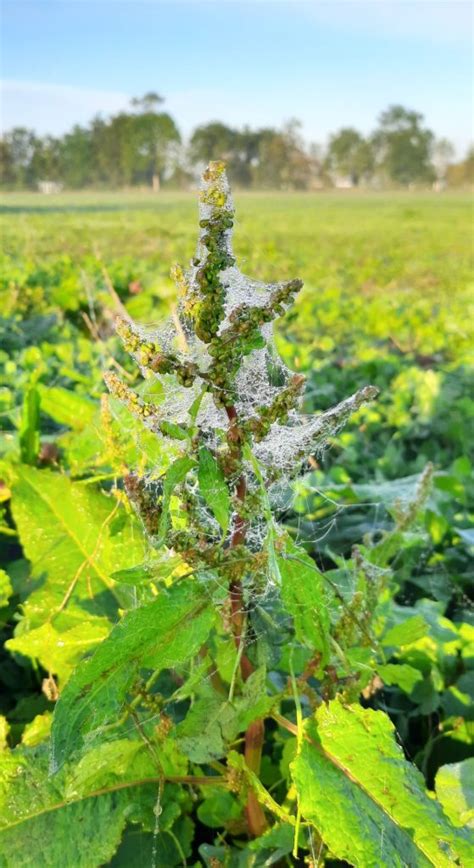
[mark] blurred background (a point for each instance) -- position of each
(294, 95)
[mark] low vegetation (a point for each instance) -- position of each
(235, 587)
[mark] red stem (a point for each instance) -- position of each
(255, 734)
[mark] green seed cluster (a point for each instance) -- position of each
(209, 311)
(241, 337)
(146, 499)
(278, 410)
(140, 408)
(149, 355)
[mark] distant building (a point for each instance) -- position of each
(49, 187)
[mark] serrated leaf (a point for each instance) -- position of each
(64, 530)
(454, 785)
(213, 488)
(367, 802)
(162, 634)
(38, 829)
(302, 591)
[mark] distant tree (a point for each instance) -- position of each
(282, 161)
(213, 141)
(20, 144)
(148, 102)
(350, 154)
(153, 138)
(402, 146)
(45, 162)
(76, 158)
(7, 169)
(462, 174)
(442, 153)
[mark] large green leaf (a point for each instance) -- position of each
(213, 487)
(302, 591)
(367, 802)
(69, 533)
(39, 829)
(162, 634)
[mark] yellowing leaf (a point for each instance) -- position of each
(366, 800)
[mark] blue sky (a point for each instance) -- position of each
(262, 62)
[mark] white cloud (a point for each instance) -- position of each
(54, 108)
(435, 21)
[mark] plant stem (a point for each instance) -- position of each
(255, 734)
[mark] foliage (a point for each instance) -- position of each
(141, 147)
(402, 146)
(350, 154)
(310, 683)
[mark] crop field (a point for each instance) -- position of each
(387, 300)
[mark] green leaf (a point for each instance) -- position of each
(405, 676)
(160, 567)
(302, 591)
(213, 487)
(455, 789)
(200, 733)
(4, 730)
(174, 475)
(37, 826)
(108, 763)
(58, 652)
(408, 631)
(64, 529)
(29, 428)
(67, 407)
(6, 589)
(37, 730)
(366, 801)
(162, 634)
(218, 809)
(173, 430)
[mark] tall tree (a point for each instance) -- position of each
(77, 168)
(153, 140)
(350, 154)
(20, 144)
(403, 146)
(282, 160)
(442, 154)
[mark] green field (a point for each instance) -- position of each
(388, 300)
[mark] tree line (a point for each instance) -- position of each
(143, 147)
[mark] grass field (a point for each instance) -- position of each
(388, 300)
